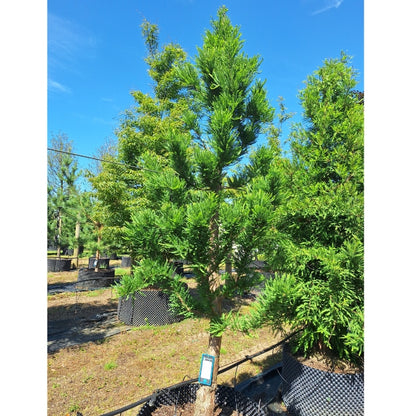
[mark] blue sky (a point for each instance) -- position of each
(96, 52)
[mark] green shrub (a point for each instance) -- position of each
(147, 274)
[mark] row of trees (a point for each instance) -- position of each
(64, 219)
(75, 216)
(189, 184)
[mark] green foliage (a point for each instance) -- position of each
(111, 365)
(153, 274)
(64, 196)
(328, 307)
(147, 134)
(147, 274)
(151, 231)
(318, 230)
(187, 148)
(180, 300)
(234, 103)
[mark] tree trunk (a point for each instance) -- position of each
(205, 396)
(229, 265)
(97, 253)
(97, 257)
(76, 248)
(58, 247)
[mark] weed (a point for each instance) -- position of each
(86, 379)
(73, 408)
(110, 365)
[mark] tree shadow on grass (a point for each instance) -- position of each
(78, 323)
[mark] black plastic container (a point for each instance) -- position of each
(146, 307)
(59, 265)
(125, 261)
(224, 396)
(90, 279)
(307, 391)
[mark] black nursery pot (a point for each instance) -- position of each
(59, 265)
(125, 261)
(90, 279)
(307, 391)
(146, 307)
(102, 263)
(224, 396)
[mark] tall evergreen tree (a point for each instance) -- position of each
(63, 173)
(194, 214)
(234, 109)
(144, 138)
(319, 225)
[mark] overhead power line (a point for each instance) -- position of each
(102, 160)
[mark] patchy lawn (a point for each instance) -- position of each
(97, 377)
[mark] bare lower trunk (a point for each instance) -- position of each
(229, 265)
(205, 397)
(97, 257)
(76, 248)
(58, 248)
(97, 253)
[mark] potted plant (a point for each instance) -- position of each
(227, 397)
(98, 273)
(146, 295)
(59, 264)
(185, 200)
(318, 250)
(193, 209)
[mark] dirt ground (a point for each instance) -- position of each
(188, 410)
(96, 364)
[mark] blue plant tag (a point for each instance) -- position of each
(206, 370)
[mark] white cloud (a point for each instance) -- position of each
(328, 5)
(68, 43)
(54, 86)
(103, 121)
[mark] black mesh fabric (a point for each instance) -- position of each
(149, 307)
(90, 279)
(308, 391)
(225, 396)
(59, 265)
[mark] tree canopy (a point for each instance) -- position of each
(189, 210)
(318, 229)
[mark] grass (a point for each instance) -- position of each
(99, 377)
(109, 366)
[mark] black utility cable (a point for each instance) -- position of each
(102, 160)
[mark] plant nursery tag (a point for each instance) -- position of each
(207, 367)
